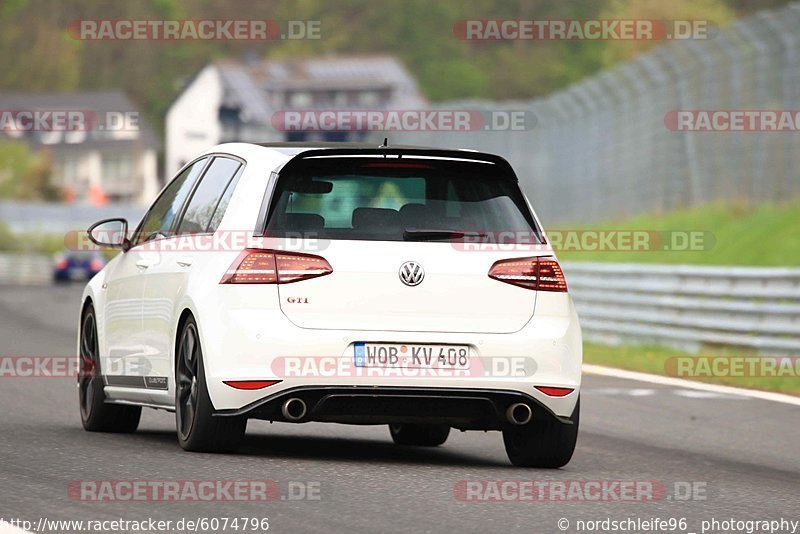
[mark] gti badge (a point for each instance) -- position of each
(411, 273)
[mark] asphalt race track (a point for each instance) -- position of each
(741, 456)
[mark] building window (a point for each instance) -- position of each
(66, 172)
(75, 137)
(50, 137)
(117, 176)
(301, 100)
(368, 98)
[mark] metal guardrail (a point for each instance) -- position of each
(688, 307)
(25, 269)
(59, 218)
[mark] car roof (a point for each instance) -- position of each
(286, 151)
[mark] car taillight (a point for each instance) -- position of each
(250, 385)
(96, 264)
(274, 267)
(293, 267)
(541, 274)
(554, 391)
(61, 264)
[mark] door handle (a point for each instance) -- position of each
(184, 262)
(143, 264)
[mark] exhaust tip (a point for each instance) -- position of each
(519, 413)
(294, 409)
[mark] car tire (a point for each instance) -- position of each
(419, 435)
(96, 414)
(545, 444)
(198, 429)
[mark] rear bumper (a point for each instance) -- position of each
(462, 408)
(245, 343)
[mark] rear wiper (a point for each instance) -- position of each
(429, 234)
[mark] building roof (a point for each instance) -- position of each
(249, 85)
(102, 103)
(332, 72)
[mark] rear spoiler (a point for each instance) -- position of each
(405, 151)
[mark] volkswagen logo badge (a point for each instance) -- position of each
(411, 273)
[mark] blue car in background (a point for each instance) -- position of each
(77, 265)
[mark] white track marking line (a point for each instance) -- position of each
(601, 370)
(696, 394)
(7, 528)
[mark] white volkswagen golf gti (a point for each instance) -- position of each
(404, 286)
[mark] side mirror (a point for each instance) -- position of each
(110, 233)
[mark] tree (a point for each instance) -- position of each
(715, 11)
(25, 175)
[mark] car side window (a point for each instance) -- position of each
(207, 196)
(158, 220)
(224, 201)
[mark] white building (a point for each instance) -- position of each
(236, 101)
(112, 157)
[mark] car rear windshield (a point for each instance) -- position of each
(390, 199)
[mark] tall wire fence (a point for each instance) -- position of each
(601, 149)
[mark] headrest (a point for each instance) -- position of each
(382, 220)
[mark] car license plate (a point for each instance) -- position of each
(77, 273)
(411, 356)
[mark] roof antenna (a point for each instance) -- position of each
(384, 145)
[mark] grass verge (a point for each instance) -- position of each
(763, 235)
(664, 361)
